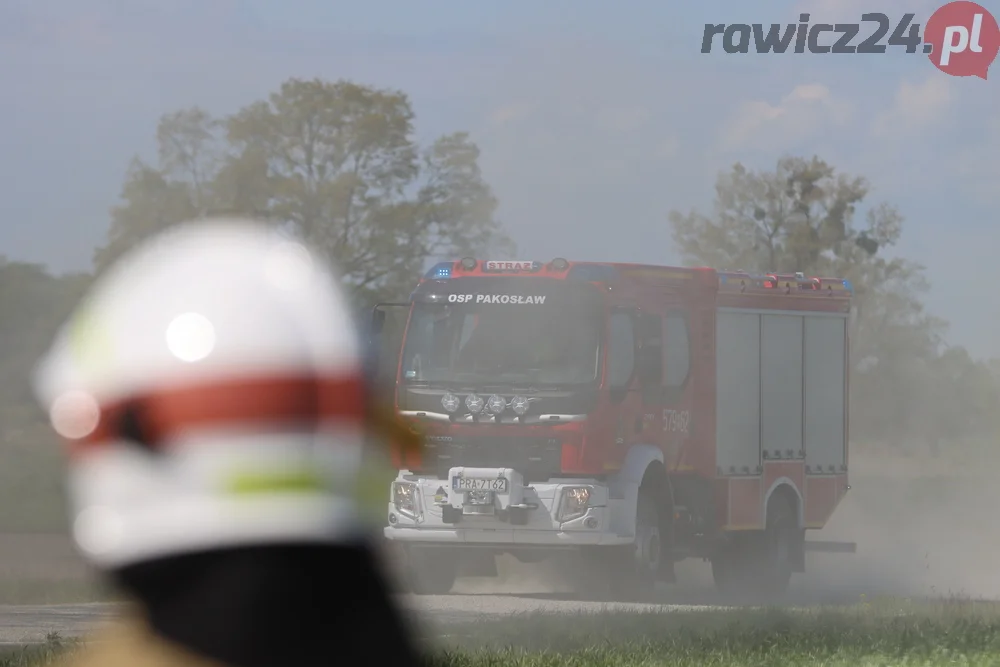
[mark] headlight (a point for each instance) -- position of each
(404, 499)
(496, 404)
(573, 502)
(474, 403)
(450, 402)
(519, 404)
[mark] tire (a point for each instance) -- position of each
(626, 574)
(758, 567)
(431, 571)
(394, 561)
(726, 572)
(779, 547)
(635, 580)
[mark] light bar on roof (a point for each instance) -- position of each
(513, 266)
(742, 280)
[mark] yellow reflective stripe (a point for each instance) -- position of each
(89, 342)
(289, 481)
(370, 487)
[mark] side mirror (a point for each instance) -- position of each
(378, 321)
(383, 350)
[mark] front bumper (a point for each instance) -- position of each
(436, 513)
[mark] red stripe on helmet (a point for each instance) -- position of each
(253, 402)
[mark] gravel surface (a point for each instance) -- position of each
(24, 624)
(519, 590)
(21, 624)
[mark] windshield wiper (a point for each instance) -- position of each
(523, 387)
(431, 384)
(520, 387)
(473, 382)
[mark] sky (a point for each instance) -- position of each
(595, 119)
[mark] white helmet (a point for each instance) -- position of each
(211, 388)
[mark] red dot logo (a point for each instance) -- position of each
(965, 39)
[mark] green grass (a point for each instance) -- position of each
(45, 654)
(883, 633)
(889, 632)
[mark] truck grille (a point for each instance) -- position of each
(536, 458)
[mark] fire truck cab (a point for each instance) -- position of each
(630, 416)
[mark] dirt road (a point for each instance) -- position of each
(475, 600)
(27, 624)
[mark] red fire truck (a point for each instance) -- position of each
(630, 415)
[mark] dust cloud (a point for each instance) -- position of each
(924, 527)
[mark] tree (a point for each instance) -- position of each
(337, 163)
(801, 216)
(34, 303)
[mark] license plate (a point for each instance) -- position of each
(498, 485)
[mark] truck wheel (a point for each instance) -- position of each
(625, 574)
(758, 567)
(726, 571)
(431, 571)
(394, 560)
(638, 575)
(779, 547)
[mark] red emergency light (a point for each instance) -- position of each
(773, 281)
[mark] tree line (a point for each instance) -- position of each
(337, 162)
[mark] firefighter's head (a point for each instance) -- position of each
(211, 390)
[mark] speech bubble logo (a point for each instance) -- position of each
(965, 39)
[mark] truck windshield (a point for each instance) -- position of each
(555, 342)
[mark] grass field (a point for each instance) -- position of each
(882, 632)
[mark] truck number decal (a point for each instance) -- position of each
(676, 421)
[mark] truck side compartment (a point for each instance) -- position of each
(780, 414)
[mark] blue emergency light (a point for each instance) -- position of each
(439, 270)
